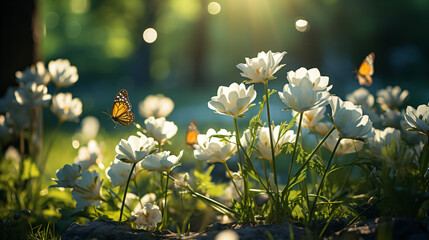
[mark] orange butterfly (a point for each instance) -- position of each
(192, 134)
(121, 109)
(366, 70)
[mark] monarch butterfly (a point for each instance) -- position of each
(366, 70)
(121, 109)
(192, 134)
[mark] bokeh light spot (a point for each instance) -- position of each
(79, 6)
(73, 29)
(214, 8)
(150, 35)
(75, 144)
(51, 20)
(302, 25)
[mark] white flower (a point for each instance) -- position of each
(32, 95)
(67, 176)
(87, 190)
(135, 148)
(319, 83)
(17, 115)
(261, 68)
(148, 217)
(147, 198)
(362, 97)
(214, 149)
(35, 74)
(88, 156)
(246, 139)
(263, 144)
(383, 139)
(63, 74)
(227, 235)
(161, 161)
(66, 107)
(418, 119)
(118, 172)
(344, 147)
(160, 129)
(389, 146)
(311, 118)
(348, 119)
(233, 100)
(89, 128)
(302, 97)
(391, 97)
(156, 106)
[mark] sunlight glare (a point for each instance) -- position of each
(150, 35)
(79, 6)
(301, 25)
(214, 8)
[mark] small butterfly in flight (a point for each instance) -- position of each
(192, 134)
(366, 70)
(121, 109)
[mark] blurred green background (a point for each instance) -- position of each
(200, 42)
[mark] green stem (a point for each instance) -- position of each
(232, 179)
(273, 157)
(243, 172)
(310, 157)
(293, 154)
(165, 215)
(323, 178)
(126, 189)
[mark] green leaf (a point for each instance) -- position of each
(30, 170)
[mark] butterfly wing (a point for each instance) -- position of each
(366, 70)
(121, 109)
(192, 134)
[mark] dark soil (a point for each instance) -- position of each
(378, 228)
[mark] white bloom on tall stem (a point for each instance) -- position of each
(279, 140)
(148, 217)
(215, 149)
(349, 121)
(303, 97)
(233, 100)
(135, 148)
(32, 95)
(311, 118)
(161, 161)
(34, 74)
(391, 97)
(261, 68)
(156, 106)
(89, 155)
(318, 82)
(118, 172)
(392, 118)
(63, 74)
(67, 176)
(346, 145)
(160, 129)
(383, 139)
(87, 190)
(418, 119)
(66, 108)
